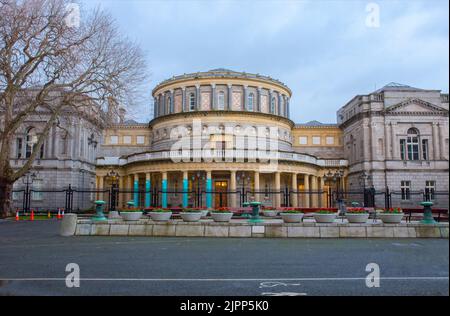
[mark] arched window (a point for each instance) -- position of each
(191, 102)
(221, 101)
(409, 147)
(272, 105)
(250, 102)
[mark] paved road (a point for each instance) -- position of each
(33, 259)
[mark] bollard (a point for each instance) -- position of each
(17, 215)
(68, 225)
(32, 215)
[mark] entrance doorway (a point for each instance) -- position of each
(220, 196)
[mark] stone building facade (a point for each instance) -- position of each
(398, 137)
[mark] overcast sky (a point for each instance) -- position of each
(325, 51)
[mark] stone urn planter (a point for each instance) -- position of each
(205, 213)
(131, 216)
(327, 217)
(292, 217)
(270, 213)
(191, 216)
(162, 216)
(221, 216)
(357, 218)
(391, 217)
(114, 215)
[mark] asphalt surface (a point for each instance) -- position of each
(33, 261)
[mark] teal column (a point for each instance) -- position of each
(185, 189)
(136, 190)
(209, 190)
(164, 190)
(148, 187)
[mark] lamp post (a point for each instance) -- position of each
(334, 179)
(113, 177)
(245, 179)
(196, 178)
(28, 180)
(363, 177)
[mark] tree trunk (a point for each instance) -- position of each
(5, 197)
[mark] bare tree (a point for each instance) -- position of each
(43, 51)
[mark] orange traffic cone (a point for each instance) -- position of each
(32, 215)
(62, 213)
(17, 215)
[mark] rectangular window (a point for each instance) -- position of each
(19, 148)
(430, 188)
(127, 139)
(413, 148)
(140, 140)
(425, 149)
(114, 140)
(316, 140)
(330, 140)
(37, 185)
(303, 140)
(403, 149)
(405, 187)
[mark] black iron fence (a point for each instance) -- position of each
(73, 199)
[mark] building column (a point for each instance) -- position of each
(148, 186)
(306, 190)
(387, 142)
(288, 107)
(257, 187)
(209, 189)
(100, 185)
(245, 103)
(233, 188)
(294, 189)
(213, 96)
(323, 193)
(183, 100)
(172, 102)
(258, 99)
(442, 136)
(435, 134)
(277, 189)
(136, 190)
(314, 189)
(270, 103)
(279, 103)
(230, 96)
(197, 95)
(122, 185)
(185, 189)
(164, 189)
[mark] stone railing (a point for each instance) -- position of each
(222, 156)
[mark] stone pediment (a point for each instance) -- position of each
(415, 106)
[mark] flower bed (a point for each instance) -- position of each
(292, 215)
(222, 214)
(357, 215)
(160, 215)
(131, 214)
(324, 216)
(391, 216)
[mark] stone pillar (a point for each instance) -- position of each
(209, 189)
(442, 136)
(394, 144)
(121, 194)
(258, 99)
(148, 186)
(387, 142)
(183, 100)
(306, 191)
(288, 114)
(245, 98)
(164, 189)
(279, 103)
(197, 95)
(435, 131)
(323, 193)
(314, 195)
(294, 188)
(164, 104)
(230, 96)
(277, 189)
(136, 190)
(213, 97)
(185, 189)
(172, 102)
(270, 103)
(257, 187)
(233, 199)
